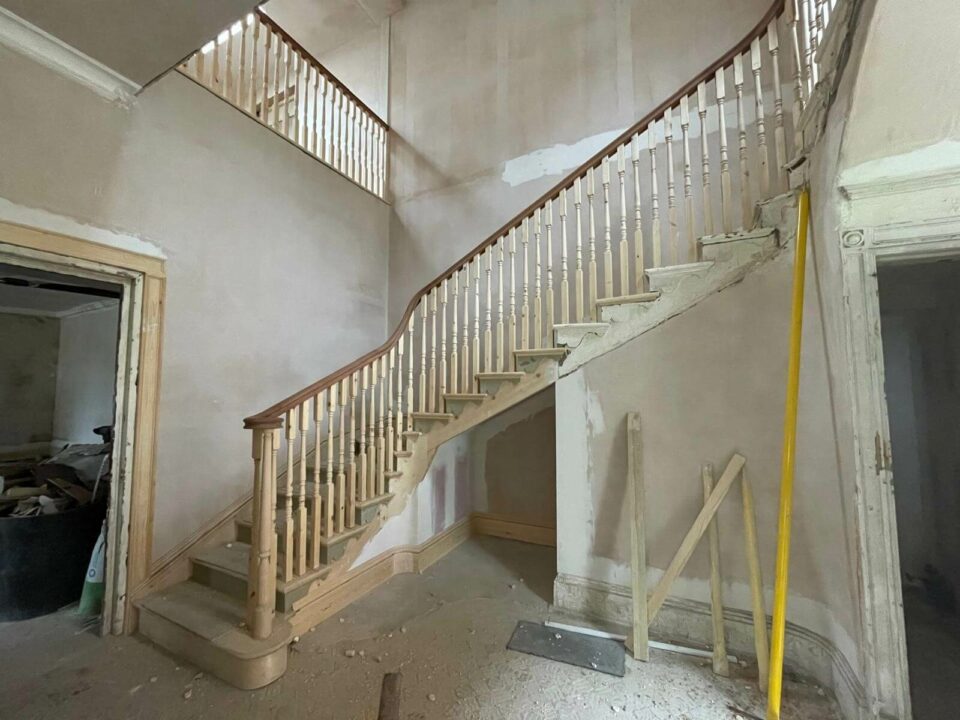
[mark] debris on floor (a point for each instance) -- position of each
(586, 651)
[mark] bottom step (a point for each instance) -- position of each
(207, 628)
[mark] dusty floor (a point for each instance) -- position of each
(933, 655)
(444, 630)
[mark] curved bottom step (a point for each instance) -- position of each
(207, 628)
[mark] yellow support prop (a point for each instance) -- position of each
(787, 464)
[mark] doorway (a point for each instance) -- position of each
(920, 329)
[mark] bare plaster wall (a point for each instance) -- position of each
(262, 243)
(28, 378)
(492, 102)
(86, 374)
(706, 384)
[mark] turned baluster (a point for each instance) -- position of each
(432, 378)
(779, 136)
(328, 497)
(443, 345)
(277, 99)
(381, 440)
(215, 79)
(672, 219)
(228, 86)
(371, 477)
(390, 447)
(745, 203)
(362, 450)
(298, 71)
(424, 311)
(262, 567)
(624, 250)
(336, 126)
(288, 55)
(302, 530)
(410, 406)
(592, 240)
(354, 384)
(382, 140)
(254, 87)
(342, 391)
(465, 383)
(261, 109)
(350, 151)
(564, 280)
(755, 66)
(315, 118)
(455, 335)
(475, 350)
(687, 179)
(537, 302)
(726, 190)
(705, 159)
(656, 238)
(578, 269)
(511, 319)
(798, 94)
(500, 323)
(638, 267)
(607, 248)
(398, 426)
(549, 314)
(290, 423)
(525, 304)
(241, 94)
(813, 74)
(315, 502)
(200, 71)
(324, 130)
(488, 317)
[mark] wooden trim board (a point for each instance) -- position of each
(513, 529)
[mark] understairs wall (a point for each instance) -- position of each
(276, 265)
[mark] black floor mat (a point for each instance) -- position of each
(586, 651)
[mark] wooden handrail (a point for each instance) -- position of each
(272, 417)
(267, 20)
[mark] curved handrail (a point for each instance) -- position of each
(272, 417)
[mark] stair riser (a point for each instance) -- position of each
(740, 250)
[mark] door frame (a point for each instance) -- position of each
(130, 513)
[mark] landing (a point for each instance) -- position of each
(445, 630)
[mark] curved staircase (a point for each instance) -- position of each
(334, 461)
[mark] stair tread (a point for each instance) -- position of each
(232, 557)
(541, 352)
(629, 299)
(500, 376)
(682, 268)
(213, 616)
(758, 232)
(465, 396)
(583, 325)
(432, 416)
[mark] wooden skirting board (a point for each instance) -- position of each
(513, 529)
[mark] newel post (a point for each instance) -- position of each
(262, 577)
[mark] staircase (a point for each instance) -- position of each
(334, 461)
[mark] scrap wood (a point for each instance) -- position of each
(72, 490)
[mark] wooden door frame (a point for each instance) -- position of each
(143, 280)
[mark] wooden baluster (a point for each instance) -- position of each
(432, 379)
(548, 312)
(443, 346)
(342, 155)
(398, 425)
(656, 238)
(779, 134)
(200, 73)
(262, 568)
(389, 449)
(607, 250)
(475, 349)
(745, 203)
(290, 423)
(362, 471)
(798, 95)
(812, 43)
(261, 110)
(410, 406)
(316, 506)
(525, 304)
(300, 105)
(381, 448)
(465, 384)
(371, 155)
(638, 264)
(592, 239)
(328, 497)
(578, 271)
(425, 310)
(215, 79)
(455, 336)
(288, 55)
(354, 384)
(277, 63)
(726, 191)
(341, 489)
(382, 140)
(371, 478)
(537, 324)
(705, 159)
(512, 319)
(334, 126)
(254, 68)
(315, 145)
(564, 280)
(350, 150)
(624, 249)
(323, 131)
(488, 317)
(674, 223)
(242, 72)
(500, 324)
(807, 43)
(687, 179)
(362, 149)
(302, 529)
(230, 81)
(755, 66)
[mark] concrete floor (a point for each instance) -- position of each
(444, 630)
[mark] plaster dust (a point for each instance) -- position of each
(445, 630)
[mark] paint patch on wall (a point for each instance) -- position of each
(595, 421)
(553, 160)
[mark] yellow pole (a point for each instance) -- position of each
(787, 465)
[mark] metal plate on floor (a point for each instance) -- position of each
(592, 653)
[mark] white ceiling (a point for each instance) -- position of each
(140, 39)
(44, 301)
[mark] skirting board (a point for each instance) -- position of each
(505, 527)
(689, 621)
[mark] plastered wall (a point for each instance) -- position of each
(276, 266)
(29, 346)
